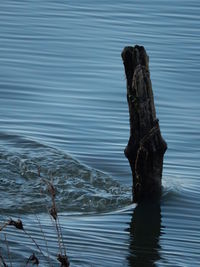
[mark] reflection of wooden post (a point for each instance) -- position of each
(145, 230)
(146, 147)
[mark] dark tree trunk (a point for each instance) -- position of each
(146, 147)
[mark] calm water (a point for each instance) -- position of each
(63, 109)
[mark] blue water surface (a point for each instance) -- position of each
(64, 117)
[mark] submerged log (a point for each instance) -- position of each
(146, 147)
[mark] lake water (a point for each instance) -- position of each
(63, 110)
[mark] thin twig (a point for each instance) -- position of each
(46, 244)
(57, 232)
(3, 261)
(33, 240)
(3, 226)
(9, 255)
(61, 236)
(53, 211)
(62, 257)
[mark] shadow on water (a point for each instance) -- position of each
(145, 230)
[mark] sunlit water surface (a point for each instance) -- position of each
(64, 118)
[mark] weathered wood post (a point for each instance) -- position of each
(146, 147)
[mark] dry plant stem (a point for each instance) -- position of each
(54, 215)
(57, 232)
(61, 237)
(146, 147)
(3, 261)
(33, 240)
(19, 225)
(46, 244)
(55, 220)
(62, 257)
(8, 250)
(3, 226)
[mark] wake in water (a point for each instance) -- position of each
(24, 164)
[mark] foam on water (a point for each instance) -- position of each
(79, 187)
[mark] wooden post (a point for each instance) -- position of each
(146, 147)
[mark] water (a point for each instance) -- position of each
(64, 117)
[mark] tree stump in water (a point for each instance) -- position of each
(146, 147)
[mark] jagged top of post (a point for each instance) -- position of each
(132, 57)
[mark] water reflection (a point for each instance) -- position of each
(145, 230)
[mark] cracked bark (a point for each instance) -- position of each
(146, 147)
